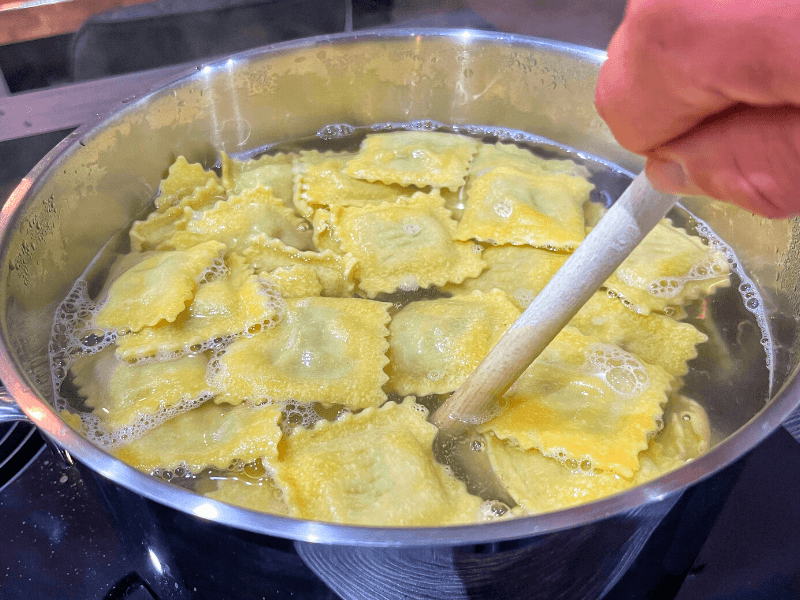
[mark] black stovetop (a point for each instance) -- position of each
(59, 541)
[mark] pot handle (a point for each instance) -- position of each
(10, 412)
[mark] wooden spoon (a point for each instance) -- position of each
(627, 222)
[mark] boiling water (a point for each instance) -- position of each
(733, 365)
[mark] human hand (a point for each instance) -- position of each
(709, 92)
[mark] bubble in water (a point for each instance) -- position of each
(621, 370)
(494, 509)
(336, 132)
(435, 375)
(621, 380)
(504, 208)
(409, 283)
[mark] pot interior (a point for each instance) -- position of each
(104, 175)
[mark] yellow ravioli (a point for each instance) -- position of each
(434, 345)
(335, 272)
(253, 212)
(220, 308)
(509, 155)
(419, 158)
(129, 397)
(158, 288)
(540, 484)
(520, 271)
(208, 436)
(298, 281)
(538, 208)
(686, 435)
(373, 468)
(274, 172)
(669, 268)
(656, 339)
(587, 401)
(260, 494)
(320, 181)
(329, 350)
(160, 226)
(182, 179)
(405, 245)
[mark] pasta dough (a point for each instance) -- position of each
(405, 245)
(520, 271)
(258, 495)
(131, 397)
(538, 208)
(157, 288)
(541, 484)
(330, 350)
(182, 179)
(373, 468)
(335, 272)
(435, 345)
(586, 401)
(208, 436)
(232, 221)
(220, 308)
(269, 171)
(320, 181)
(241, 289)
(419, 158)
(668, 268)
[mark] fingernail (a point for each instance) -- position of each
(668, 176)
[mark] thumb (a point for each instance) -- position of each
(747, 155)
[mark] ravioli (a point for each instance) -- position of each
(270, 171)
(329, 350)
(434, 345)
(208, 436)
(224, 307)
(158, 288)
(509, 155)
(335, 272)
(128, 397)
(520, 271)
(540, 484)
(669, 268)
(506, 205)
(232, 221)
(405, 245)
(418, 158)
(656, 339)
(373, 468)
(686, 436)
(585, 400)
(160, 226)
(182, 179)
(260, 494)
(240, 290)
(320, 181)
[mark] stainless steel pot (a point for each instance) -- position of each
(105, 173)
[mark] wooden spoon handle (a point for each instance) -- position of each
(629, 220)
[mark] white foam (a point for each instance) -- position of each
(623, 372)
(670, 287)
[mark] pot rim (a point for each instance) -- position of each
(43, 415)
